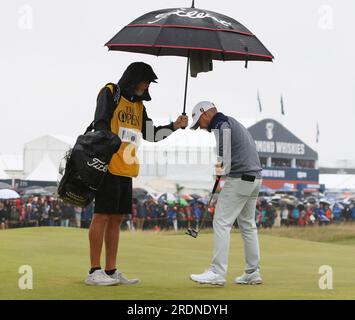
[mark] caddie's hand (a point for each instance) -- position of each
(181, 122)
(219, 169)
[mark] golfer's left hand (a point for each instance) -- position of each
(181, 122)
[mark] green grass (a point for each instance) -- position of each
(163, 261)
(335, 233)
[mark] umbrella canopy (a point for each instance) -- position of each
(35, 190)
(312, 200)
(139, 193)
(6, 194)
(266, 190)
(170, 197)
(193, 33)
(325, 201)
(178, 31)
(290, 201)
(187, 197)
(51, 189)
(183, 202)
(167, 197)
(204, 201)
(195, 196)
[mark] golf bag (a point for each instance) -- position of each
(86, 166)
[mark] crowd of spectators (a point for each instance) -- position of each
(149, 214)
(158, 215)
(268, 215)
(42, 211)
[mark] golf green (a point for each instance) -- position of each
(163, 261)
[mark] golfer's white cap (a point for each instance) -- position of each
(198, 109)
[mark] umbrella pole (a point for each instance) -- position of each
(186, 83)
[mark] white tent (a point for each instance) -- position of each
(338, 181)
(45, 171)
(186, 156)
(35, 150)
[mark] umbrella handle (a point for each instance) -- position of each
(183, 114)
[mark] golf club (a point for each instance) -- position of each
(192, 232)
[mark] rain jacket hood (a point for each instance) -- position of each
(134, 74)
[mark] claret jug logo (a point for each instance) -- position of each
(269, 130)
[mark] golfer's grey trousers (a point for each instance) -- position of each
(237, 201)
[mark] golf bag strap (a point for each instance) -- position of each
(116, 98)
(89, 128)
(116, 92)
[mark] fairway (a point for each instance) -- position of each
(163, 262)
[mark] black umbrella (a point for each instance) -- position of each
(51, 190)
(189, 31)
(139, 194)
(35, 191)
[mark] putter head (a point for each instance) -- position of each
(192, 232)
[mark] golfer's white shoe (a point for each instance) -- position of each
(249, 278)
(100, 278)
(208, 277)
(120, 278)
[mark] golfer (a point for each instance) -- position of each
(239, 161)
(120, 109)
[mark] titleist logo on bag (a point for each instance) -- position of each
(98, 165)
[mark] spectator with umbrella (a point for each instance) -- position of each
(55, 215)
(141, 214)
(14, 215)
(352, 209)
(86, 216)
(3, 216)
(152, 214)
(270, 215)
(197, 214)
(346, 213)
(284, 216)
(171, 215)
(78, 211)
(68, 214)
(337, 212)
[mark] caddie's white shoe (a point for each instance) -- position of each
(208, 277)
(249, 278)
(100, 278)
(122, 279)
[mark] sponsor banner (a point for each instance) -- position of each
(291, 174)
(272, 139)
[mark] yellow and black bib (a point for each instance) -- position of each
(126, 122)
